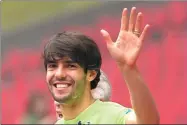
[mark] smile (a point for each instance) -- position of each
(62, 85)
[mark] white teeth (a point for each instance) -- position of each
(62, 85)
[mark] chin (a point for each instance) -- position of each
(61, 99)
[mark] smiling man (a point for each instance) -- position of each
(73, 61)
(101, 92)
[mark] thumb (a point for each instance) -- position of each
(106, 36)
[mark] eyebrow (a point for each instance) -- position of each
(69, 61)
(51, 61)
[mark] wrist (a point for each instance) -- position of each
(125, 67)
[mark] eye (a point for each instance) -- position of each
(51, 65)
(72, 66)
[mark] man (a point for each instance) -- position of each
(73, 61)
(102, 92)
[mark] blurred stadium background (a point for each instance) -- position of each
(26, 25)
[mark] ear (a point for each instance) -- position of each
(91, 74)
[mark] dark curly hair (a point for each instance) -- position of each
(79, 47)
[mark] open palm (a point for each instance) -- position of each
(128, 44)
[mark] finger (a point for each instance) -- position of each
(59, 116)
(57, 106)
(124, 20)
(58, 110)
(132, 19)
(142, 37)
(138, 25)
(56, 103)
(106, 36)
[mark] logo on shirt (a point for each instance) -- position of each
(79, 123)
(127, 111)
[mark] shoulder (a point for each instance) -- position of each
(114, 108)
(112, 105)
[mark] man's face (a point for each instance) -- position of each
(66, 80)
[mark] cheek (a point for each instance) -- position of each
(49, 76)
(76, 75)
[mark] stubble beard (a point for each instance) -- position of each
(61, 99)
(71, 97)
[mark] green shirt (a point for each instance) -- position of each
(100, 113)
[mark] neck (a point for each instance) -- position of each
(71, 111)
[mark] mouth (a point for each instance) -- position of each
(62, 89)
(62, 85)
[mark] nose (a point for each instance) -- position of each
(60, 73)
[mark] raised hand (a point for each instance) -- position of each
(129, 42)
(58, 110)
